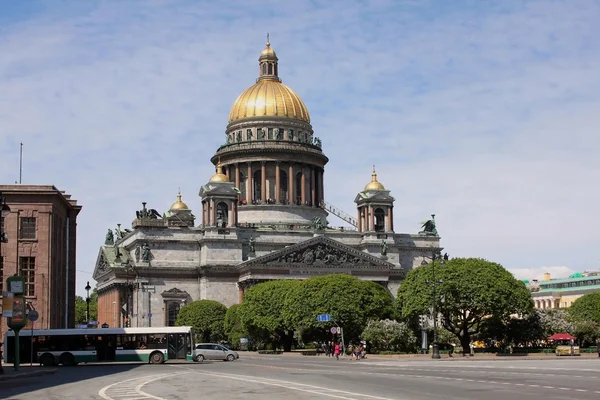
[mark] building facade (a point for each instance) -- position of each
(41, 244)
(562, 293)
(263, 217)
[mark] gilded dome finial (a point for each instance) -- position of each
(374, 184)
(219, 176)
(179, 204)
(268, 43)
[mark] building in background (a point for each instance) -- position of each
(41, 230)
(263, 217)
(562, 293)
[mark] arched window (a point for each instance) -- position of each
(379, 220)
(264, 69)
(283, 186)
(270, 69)
(222, 214)
(172, 312)
(298, 188)
(257, 185)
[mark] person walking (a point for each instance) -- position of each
(336, 351)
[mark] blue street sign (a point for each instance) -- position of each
(93, 322)
(149, 315)
(134, 315)
(323, 317)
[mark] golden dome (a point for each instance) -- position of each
(268, 53)
(268, 97)
(374, 184)
(179, 205)
(219, 176)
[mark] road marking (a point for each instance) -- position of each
(350, 371)
(300, 387)
(131, 389)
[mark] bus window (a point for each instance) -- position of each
(157, 341)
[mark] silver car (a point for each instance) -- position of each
(213, 351)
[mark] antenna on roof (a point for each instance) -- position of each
(21, 164)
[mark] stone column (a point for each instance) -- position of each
(249, 188)
(230, 214)
(291, 184)
(392, 218)
(207, 212)
(321, 185)
(263, 183)
(277, 188)
(303, 186)
(211, 217)
(226, 171)
(313, 195)
(203, 213)
(388, 222)
(237, 175)
(372, 218)
(240, 295)
(359, 220)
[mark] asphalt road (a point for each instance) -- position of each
(296, 377)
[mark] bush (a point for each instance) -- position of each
(207, 317)
(389, 335)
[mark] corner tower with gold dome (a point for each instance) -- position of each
(271, 152)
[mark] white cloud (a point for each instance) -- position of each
(486, 117)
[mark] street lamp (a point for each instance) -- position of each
(435, 256)
(87, 301)
(128, 288)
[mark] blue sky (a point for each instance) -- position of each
(484, 113)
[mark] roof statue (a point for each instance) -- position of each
(429, 228)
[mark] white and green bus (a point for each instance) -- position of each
(73, 346)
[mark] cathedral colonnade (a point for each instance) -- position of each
(276, 182)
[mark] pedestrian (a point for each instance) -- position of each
(597, 349)
(336, 351)
(1, 367)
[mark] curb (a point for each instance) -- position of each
(21, 375)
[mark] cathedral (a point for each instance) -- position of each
(263, 217)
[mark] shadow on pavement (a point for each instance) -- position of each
(38, 378)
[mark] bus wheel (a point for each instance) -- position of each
(47, 360)
(157, 358)
(67, 359)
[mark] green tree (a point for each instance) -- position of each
(81, 308)
(389, 335)
(206, 316)
(555, 320)
(587, 332)
(351, 302)
(233, 326)
(261, 311)
(469, 290)
(586, 308)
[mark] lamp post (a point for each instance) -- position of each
(435, 256)
(87, 303)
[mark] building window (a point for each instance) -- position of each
(27, 228)
(27, 268)
(379, 220)
(172, 312)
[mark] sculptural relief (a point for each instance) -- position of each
(320, 254)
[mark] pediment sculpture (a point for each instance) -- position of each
(319, 254)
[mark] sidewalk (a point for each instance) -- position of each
(24, 372)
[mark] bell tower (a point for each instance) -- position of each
(375, 208)
(219, 201)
